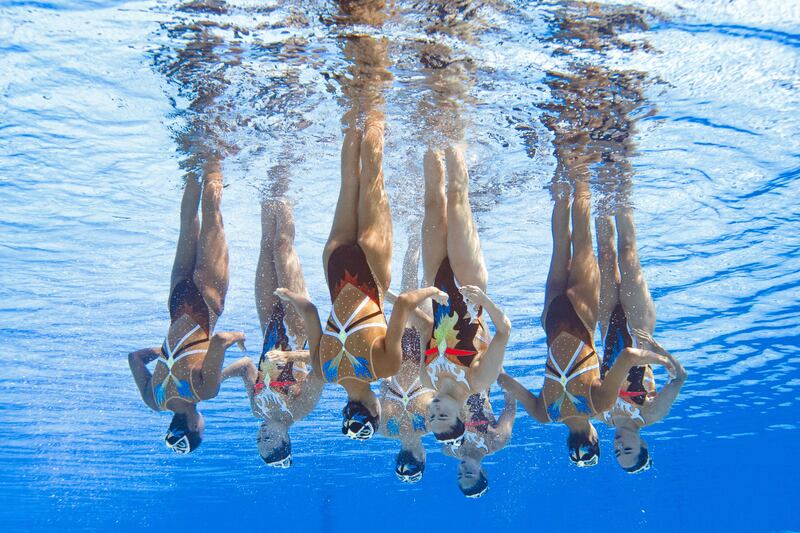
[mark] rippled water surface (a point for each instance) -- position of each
(693, 104)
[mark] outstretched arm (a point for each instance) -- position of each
(604, 393)
(487, 367)
(404, 306)
(532, 404)
(211, 371)
(308, 312)
(141, 374)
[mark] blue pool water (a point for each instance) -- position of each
(94, 95)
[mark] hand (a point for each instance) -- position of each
(645, 337)
(680, 372)
(277, 356)
(440, 297)
(646, 357)
(473, 295)
(284, 294)
(502, 380)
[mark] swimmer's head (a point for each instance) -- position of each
(408, 467)
(185, 433)
(445, 421)
(631, 450)
(358, 422)
(472, 479)
(584, 447)
(274, 445)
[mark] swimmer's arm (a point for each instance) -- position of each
(141, 374)
(488, 366)
(419, 319)
(308, 311)
(604, 393)
(243, 368)
(289, 356)
(662, 405)
(505, 424)
(532, 404)
(404, 306)
(211, 370)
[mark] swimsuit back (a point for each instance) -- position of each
(186, 299)
(272, 387)
(457, 338)
(356, 321)
(172, 377)
(405, 408)
(640, 384)
(572, 363)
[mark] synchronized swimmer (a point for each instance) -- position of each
(433, 362)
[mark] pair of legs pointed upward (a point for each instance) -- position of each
(621, 277)
(448, 229)
(202, 251)
(573, 265)
(279, 266)
(362, 213)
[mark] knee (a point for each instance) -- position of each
(372, 145)
(284, 244)
(627, 252)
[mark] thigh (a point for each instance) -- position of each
(463, 242)
(374, 217)
(211, 273)
(609, 272)
(434, 224)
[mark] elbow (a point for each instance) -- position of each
(504, 327)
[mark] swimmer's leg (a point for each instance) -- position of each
(344, 230)
(211, 275)
(634, 293)
(287, 266)
(186, 251)
(463, 242)
(434, 225)
(266, 275)
(609, 272)
(374, 217)
(561, 255)
(583, 284)
(410, 279)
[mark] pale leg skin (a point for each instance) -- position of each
(583, 283)
(344, 230)
(266, 277)
(634, 293)
(186, 251)
(434, 224)
(561, 255)
(211, 274)
(288, 269)
(609, 271)
(463, 243)
(278, 266)
(374, 216)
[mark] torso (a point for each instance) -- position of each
(640, 387)
(356, 321)
(404, 399)
(572, 363)
(177, 367)
(480, 434)
(279, 386)
(457, 338)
